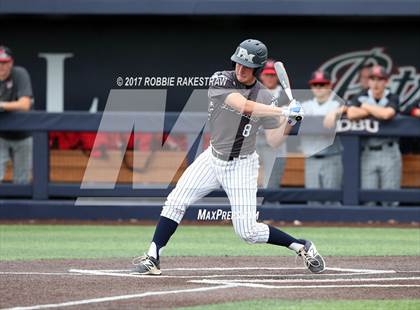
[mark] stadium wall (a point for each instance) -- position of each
(89, 53)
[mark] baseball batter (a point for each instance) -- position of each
(238, 106)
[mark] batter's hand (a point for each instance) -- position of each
(294, 112)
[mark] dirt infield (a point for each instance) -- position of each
(187, 281)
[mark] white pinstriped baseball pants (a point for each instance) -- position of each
(239, 180)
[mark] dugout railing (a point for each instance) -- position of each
(41, 123)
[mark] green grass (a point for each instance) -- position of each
(268, 304)
(28, 242)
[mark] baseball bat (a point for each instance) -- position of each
(284, 82)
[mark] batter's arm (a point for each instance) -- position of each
(243, 105)
(275, 137)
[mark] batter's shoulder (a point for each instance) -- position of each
(228, 74)
(222, 79)
(260, 85)
(264, 95)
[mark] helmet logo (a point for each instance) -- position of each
(243, 53)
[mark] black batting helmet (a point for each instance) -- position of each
(250, 53)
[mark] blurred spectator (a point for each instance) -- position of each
(380, 157)
(15, 95)
(272, 160)
(324, 169)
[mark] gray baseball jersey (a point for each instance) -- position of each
(234, 133)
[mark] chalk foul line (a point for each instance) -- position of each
(123, 297)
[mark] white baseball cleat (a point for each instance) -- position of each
(312, 259)
(146, 265)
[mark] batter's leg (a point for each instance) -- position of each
(240, 184)
(197, 181)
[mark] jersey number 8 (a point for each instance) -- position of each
(247, 130)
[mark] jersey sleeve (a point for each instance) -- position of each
(265, 97)
(221, 84)
(23, 83)
(270, 122)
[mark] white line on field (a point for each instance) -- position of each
(279, 268)
(257, 285)
(231, 268)
(122, 297)
(117, 273)
(123, 272)
(39, 273)
(128, 275)
(224, 281)
(210, 269)
(343, 286)
(359, 270)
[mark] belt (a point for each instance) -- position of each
(227, 157)
(378, 147)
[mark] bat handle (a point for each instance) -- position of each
(289, 94)
(286, 112)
